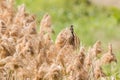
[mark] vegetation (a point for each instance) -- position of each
(26, 53)
(91, 23)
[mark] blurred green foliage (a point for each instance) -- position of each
(91, 23)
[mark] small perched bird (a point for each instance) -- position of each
(67, 36)
(75, 40)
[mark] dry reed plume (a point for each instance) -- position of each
(26, 54)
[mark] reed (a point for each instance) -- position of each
(26, 54)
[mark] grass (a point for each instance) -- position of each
(91, 23)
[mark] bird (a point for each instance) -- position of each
(67, 37)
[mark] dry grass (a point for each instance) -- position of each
(26, 54)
